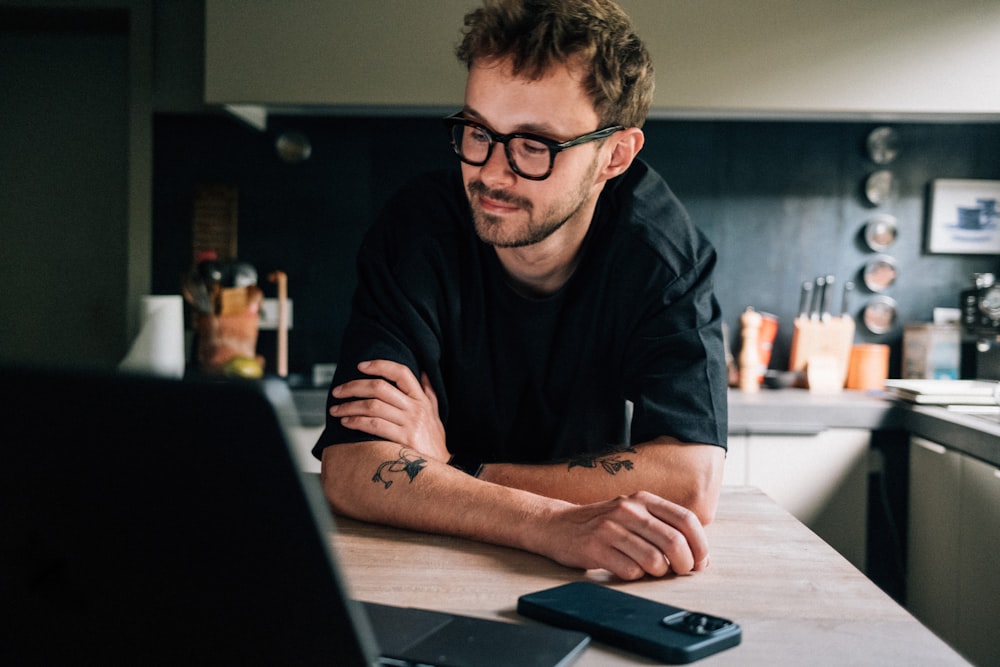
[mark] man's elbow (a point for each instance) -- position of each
(335, 462)
(705, 484)
(704, 503)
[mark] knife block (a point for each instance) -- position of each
(830, 339)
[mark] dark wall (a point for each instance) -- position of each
(782, 201)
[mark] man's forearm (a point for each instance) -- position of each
(687, 474)
(631, 536)
(387, 483)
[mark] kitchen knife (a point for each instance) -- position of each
(845, 306)
(805, 300)
(818, 294)
(827, 297)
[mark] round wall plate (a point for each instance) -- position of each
(879, 186)
(880, 314)
(880, 231)
(883, 145)
(879, 273)
(293, 147)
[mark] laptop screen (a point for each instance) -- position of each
(152, 521)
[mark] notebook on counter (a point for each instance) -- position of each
(153, 521)
(943, 392)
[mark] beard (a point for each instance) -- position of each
(501, 232)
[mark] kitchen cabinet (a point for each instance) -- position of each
(341, 53)
(953, 540)
(713, 58)
(979, 571)
(819, 477)
(932, 536)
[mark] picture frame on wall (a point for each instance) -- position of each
(963, 217)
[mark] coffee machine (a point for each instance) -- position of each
(980, 305)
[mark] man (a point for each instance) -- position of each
(505, 315)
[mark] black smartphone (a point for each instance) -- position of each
(653, 629)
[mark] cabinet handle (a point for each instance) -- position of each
(781, 429)
(929, 446)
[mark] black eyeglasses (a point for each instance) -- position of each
(529, 155)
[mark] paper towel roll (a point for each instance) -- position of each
(159, 347)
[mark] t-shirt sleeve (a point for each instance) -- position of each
(675, 365)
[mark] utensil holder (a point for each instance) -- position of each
(829, 339)
(229, 332)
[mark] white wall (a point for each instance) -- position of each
(779, 58)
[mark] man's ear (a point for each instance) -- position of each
(627, 144)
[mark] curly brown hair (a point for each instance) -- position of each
(535, 34)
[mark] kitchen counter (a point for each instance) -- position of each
(797, 600)
(311, 404)
(975, 435)
(801, 412)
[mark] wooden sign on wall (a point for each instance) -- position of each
(215, 221)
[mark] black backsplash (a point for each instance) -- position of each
(781, 201)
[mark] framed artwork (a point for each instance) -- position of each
(963, 217)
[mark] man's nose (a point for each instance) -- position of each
(497, 169)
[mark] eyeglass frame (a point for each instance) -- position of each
(555, 147)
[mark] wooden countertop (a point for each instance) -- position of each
(798, 601)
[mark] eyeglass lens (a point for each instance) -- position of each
(474, 144)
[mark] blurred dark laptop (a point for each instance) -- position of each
(148, 521)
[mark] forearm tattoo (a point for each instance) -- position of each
(406, 463)
(613, 462)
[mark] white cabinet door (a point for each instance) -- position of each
(978, 563)
(735, 472)
(303, 438)
(822, 479)
(933, 536)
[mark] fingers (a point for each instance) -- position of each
(693, 554)
(394, 372)
(639, 558)
(641, 535)
(425, 383)
(361, 417)
(389, 382)
(392, 404)
(660, 537)
(627, 568)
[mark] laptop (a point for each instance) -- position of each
(154, 521)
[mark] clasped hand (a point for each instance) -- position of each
(630, 536)
(391, 404)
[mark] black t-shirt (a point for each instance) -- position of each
(532, 380)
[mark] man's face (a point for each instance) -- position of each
(510, 211)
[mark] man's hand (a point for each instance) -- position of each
(631, 536)
(393, 405)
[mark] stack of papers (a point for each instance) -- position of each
(944, 392)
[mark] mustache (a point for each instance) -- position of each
(477, 187)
